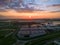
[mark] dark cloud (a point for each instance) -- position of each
(54, 5)
(54, 11)
(3, 10)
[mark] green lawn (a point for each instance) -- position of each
(6, 40)
(51, 43)
(3, 33)
(5, 29)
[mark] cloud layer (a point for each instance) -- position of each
(42, 9)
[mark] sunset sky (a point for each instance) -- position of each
(47, 9)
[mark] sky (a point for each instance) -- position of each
(45, 9)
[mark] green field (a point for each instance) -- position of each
(42, 40)
(6, 39)
(8, 35)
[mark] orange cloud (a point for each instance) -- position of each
(30, 15)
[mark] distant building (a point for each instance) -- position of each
(30, 30)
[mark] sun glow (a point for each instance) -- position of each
(12, 14)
